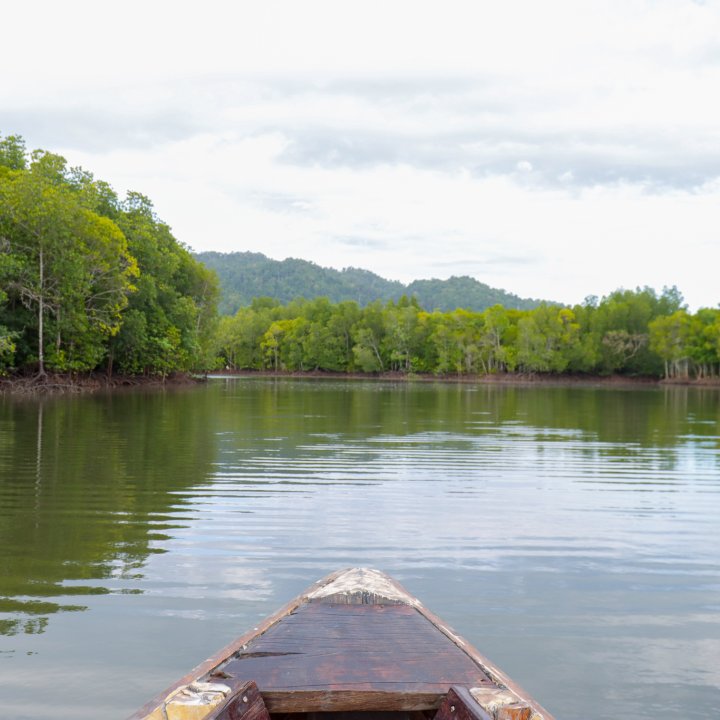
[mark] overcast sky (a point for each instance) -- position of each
(554, 149)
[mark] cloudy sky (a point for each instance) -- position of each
(554, 149)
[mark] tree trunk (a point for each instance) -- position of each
(41, 317)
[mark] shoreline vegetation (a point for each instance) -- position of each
(630, 333)
(85, 383)
(451, 378)
(90, 282)
(81, 383)
(95, 291)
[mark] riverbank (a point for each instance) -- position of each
(56, 383)
(493, 379)
(61, 383)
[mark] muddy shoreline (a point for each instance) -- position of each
(54, 383)
(60, 383)
(494, 379)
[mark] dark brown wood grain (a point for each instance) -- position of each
(211, 664)
(320, 651)
(333, 700)
(360, 645)
(459, 704)
(358, 715)
(495, 674)
(244, 704)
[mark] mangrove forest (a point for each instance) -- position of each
(91, 282)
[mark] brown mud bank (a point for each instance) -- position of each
(495, 379)
(57, 383)
(60, 383)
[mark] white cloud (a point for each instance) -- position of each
(555, 149)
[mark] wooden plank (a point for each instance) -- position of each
(325, 650)
(459, 704)
(244, 704)
(384, 585)
(393, 589)
(347, 700)
(206, 667)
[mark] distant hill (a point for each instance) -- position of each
(245, 275)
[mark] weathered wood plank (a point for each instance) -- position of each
(244, 704)
(347, 700)
(360, 648)
(358, 715)
(459, 704)
(211, 663)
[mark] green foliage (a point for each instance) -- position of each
(173, 309)
(703, 342)
(369, 334)
(543, 335)
(625, 331)
(88, 280)
(464, 292)
(7, 338)
(620, 325)
(7, 349)
(12, 152)
(245, 275)
(67, 266)
(669, 338)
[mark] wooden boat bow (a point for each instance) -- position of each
(356, 641)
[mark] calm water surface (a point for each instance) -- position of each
(572, 534)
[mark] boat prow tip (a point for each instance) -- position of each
(361, 585)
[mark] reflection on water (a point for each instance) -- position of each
(571, 533)
(85, 490)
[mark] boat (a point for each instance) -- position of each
(354, 645)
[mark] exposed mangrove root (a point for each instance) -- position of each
(59, 384)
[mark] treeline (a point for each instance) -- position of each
(90, 281)
(636, 333)
(245, 275)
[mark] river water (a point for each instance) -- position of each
(571, 533)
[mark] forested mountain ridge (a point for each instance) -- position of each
(246, 275)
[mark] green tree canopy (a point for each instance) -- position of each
(88, 280)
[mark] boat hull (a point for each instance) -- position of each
(354, 641)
